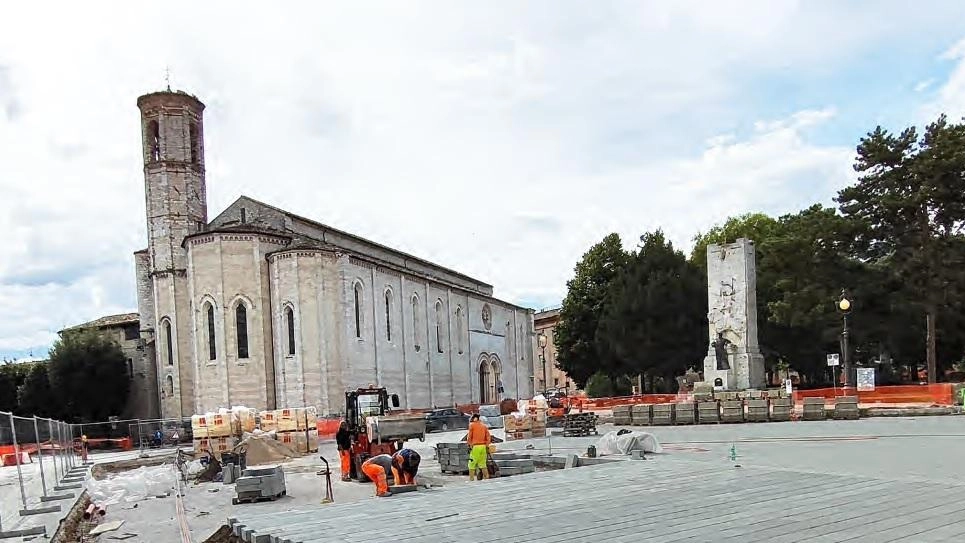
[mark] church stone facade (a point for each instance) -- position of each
(263, 308)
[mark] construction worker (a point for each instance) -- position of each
(479, 439)
(377, 468)
(83, 447)
(405, 466)
(343, 439)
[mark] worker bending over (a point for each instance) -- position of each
(343, 439)
(377, 468)
(405, 465)
(479, 440)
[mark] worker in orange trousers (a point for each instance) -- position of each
(405, 466)
(377, 469)
(343, 439)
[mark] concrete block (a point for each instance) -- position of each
(663, 414)
(708, 413)
(685, 413)
(814, 409)
(757, 410)
(641, 414)
(572, 461)
(732, 411)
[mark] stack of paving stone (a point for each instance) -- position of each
(685, 413)
(708, 412)
(846, 407)
(814, 409)
(641, 414)
(732, 410)
(781, 408)
(757, 410)
(622, 415)
(662, 414)
(513, 464)
(579, 424)
(453, 457)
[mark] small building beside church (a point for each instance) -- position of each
(264, 308)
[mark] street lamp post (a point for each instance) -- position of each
(844, 306)
(542, 356)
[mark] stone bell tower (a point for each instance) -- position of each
(172, 134)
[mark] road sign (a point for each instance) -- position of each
(834, 360)
(866, 378)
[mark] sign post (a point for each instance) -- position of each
(834, 360)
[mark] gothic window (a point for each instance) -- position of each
(439, 316)
(415, 321)
(153, 141)
(358, 310)
(168, 342)
(195, 148)
(209, 317)
(170, 386)
(388, 314)
(460, 329)
(241, 324)
(290, 321)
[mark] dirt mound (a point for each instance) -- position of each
(263, 449)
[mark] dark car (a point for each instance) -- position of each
(443, 420)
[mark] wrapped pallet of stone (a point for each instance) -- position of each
(814, 409)
(201, 444)
(307, 418)
(622, 415)
(288, 419)
(641, 414)
(846, 408)
(199, 426)
(781, 408)
(685, 413)
(662, 414)
(757, 410)
(708, 412)
(268, 421)
(732, 411)
(219, 424)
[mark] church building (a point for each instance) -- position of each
(263, 308)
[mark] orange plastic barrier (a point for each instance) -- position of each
(327, 427)
(940, 394)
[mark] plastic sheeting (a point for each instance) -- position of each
(612, 444)
(134, 485)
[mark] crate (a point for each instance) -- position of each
(708, 413)
(732, 411)
(268, 421)
(219, 425)
(579, 424)
(641, 415)
(662, 414)
(781, 409)
(685, 413)
(757, 410)
(622, 415)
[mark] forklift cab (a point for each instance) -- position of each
(367, 402)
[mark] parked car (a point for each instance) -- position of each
(490, 416)
(443, 420)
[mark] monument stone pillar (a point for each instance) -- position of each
(732, 317)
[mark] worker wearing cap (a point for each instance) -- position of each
(479, 440)
(405, 466)
(343, 439)
(377, 469)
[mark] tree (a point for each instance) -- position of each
(586, 297)
(35, 395)
(89, 372)
(754, 226)
(12, 375)
(603, 386)
(655, 322)
(910, 204)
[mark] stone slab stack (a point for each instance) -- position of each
(662, 414)
(453, 458)
(517, 465)
(622, 415)
(708, 412)
(579, 424)
(518, 426)
(732, 411)
(846, 408)
(781, 409)
(685, 413)
(757, 410)
(641, 414)
(814, 409)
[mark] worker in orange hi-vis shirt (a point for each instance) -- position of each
(478, 440)
(343, 440)
(377, 468)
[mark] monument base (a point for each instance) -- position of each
(746, 371)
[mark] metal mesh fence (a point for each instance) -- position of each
(157, 433)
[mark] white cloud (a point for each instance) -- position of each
(950, 97)
(498, 139)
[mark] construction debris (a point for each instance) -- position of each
(107, 527)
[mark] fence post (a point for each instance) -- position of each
(53, 448)
(70, 445)
(16, 453)
(40, 456)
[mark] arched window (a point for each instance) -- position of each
(388, 314)
(358, 310)
(416, 321)
(485, 384)
(241, 326)
(209, 315)
(290, 323)
(170, 386)
(439, 317)
(168, 342)
(193, 139)
(460, 329)
(153, 141)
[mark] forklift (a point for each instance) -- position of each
(373, 430)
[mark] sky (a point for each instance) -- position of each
(498, 138)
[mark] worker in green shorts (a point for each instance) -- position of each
(479, 439)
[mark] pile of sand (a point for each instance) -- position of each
(261, 448)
